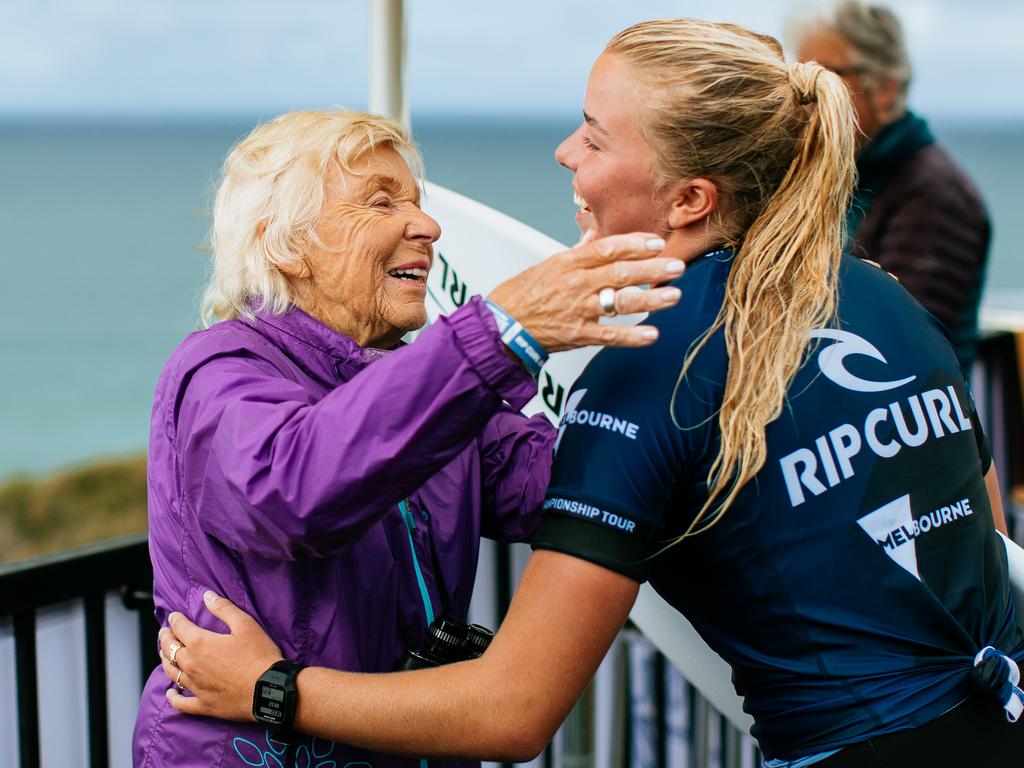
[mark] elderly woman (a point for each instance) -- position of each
(807, 483)
(303, 462)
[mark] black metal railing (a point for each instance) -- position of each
(997, 385)
(86, 576)
(83, 575)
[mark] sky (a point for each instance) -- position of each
(528, 57)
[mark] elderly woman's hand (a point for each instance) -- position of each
(557, 301)
(220, 671)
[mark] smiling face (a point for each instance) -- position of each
(367, 277)
(611, 160)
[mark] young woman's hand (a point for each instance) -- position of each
(219, 671)
(557, 301)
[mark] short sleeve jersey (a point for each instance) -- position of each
(855, 577)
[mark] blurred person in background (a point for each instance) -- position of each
(305, 462)
(914, 210)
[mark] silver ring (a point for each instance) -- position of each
(177, 683)
(173, 648)
(606, 298)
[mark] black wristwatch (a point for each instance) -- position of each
(275, 698)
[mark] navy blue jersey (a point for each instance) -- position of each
(855, 577)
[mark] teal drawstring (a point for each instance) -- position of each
(410, 526)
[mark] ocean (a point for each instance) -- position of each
(104, 223)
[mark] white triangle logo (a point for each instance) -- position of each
(892, 528)
(570, 407)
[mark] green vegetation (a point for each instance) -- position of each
(78, 506)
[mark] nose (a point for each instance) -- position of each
(422, 228)
(567, 153)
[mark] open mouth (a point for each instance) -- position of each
(415, 274)
(580, 202)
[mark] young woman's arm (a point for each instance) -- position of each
(505, 705)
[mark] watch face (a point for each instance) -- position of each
(269, 703)
(274, 694)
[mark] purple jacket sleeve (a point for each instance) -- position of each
(516, 462)
(273, 473)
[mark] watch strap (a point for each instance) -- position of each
(282, 674)
(289, 668)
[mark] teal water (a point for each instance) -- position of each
(102, 226)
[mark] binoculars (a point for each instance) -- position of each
(448, 640)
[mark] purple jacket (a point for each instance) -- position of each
(279, 450)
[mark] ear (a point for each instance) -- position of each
(691, 201)
(297, 270)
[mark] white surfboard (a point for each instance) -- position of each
(1015, 563)
(479, 249)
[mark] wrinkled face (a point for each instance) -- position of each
(610, 159)
(368, 280)
(833, 51)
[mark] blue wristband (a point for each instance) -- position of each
(516, 338)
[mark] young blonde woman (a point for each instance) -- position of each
(800, 471)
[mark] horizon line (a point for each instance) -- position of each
(257, 114)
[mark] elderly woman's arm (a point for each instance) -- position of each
(505, 705)
(270, 472)
(515, 461)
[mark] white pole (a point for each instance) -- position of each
(387, 60)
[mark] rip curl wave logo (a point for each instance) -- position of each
(318, 753)
(832, 361)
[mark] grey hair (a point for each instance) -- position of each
(877, 38)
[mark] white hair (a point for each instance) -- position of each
(269, 200)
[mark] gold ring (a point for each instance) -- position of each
(173, 648)
(177, 683)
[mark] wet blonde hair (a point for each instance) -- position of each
(777, 140)
(269, 199)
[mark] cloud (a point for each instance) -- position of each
(158, 56)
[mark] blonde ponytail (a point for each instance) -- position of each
(778, 142)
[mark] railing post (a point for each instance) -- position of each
(660, 715)
(578, 733)
(732, 745)
(502, 584)
(699, 716)
(96, 678)
(140, 600)
(28, 688)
